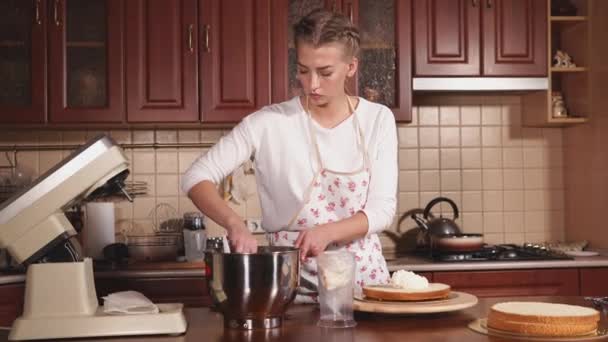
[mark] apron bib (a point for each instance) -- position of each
(333, 196)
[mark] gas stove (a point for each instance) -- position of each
(505, 252)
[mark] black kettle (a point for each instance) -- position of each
(438, 226)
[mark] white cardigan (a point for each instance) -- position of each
(278, 138)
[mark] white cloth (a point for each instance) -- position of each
(277, 136)
(128, 302)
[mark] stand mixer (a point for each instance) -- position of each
(60, 297)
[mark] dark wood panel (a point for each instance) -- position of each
(59, 109)
(403, 36)
(446, 38)
(515, 38)
(190, 291)
(162, 62)
(513, 283)
(593, 281)
(235, 58)
(35, 110)
(11, 303)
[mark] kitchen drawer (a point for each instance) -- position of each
(593, 281)
(541, 282)
(192, 292)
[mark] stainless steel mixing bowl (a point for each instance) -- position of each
(253, 290)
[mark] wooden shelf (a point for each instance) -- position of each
(11, 43)
(86, 44)
(575, 69)
(568, 120)
(568, 19)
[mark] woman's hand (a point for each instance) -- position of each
(241, 240)
(314, 241)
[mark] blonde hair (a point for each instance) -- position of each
(321, 27)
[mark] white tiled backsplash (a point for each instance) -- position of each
(507, 180)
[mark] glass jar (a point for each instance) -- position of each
(195, 236)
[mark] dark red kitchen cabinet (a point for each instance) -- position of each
(23, 61)
(515, 38)
(11, 303)
(480, 37)
(85, 61)
(446, 37)
(593, 281)
(235, 58)
(384, 73)
(538, 282)
(162, 61)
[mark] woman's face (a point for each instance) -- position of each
(322, 71)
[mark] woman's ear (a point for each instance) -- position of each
(352, 67)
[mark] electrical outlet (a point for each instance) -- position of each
(255, 226)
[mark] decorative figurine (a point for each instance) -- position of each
(563, 60)
(558, 105)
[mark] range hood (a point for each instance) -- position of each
(479, 83)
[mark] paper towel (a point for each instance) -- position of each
(99, 228)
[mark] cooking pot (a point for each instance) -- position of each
(443, 234)
(253, 290)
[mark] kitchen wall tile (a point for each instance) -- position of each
(470, 136)
(470, 115)
(408, 159)
(429, 181)
(493, 222)
(408, 181)
(185, 205)
(511, 115)
(533, 137)
(535, 237)
(428, 116)
(28, 165)
(166, 136)
(517, 238)
(514, 222)
(166, 161)
(472, 222)
(471, 158)
(554, 199)
(533, 157)
(491, 158)
(449, 115)
(534, 200)
(512, 158)
(141, 227)
(555, 220)
(534, 221)
(211, 135)
(492, 179)
(513, 179)
(471, 180)
(471, 201)
(143, 207)
(494, 238)
(143, 136)
(167, 185)
(450, 180)
(492, 201)
(90, 134)
(512, 136)
(450, 136)
(554, 157)
(429, 136)
(513, 200)
(144, 161)
(189, 136)
(408, 136)
(187, 156)
(149, 179)
(429, 159)
(553, 136)
(49, 137)
(491, 115)
(166, 207)
(491, 136)
(534, 179)
(408, 200)
(450, 158)
(445, 208)
(48, 159)
(73, 137)
(427, 196)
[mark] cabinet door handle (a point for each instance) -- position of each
(56, 13)
(489, 4)
(37, 12)
(206, 46)
(190, 29)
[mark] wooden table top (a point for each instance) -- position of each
(299, 325)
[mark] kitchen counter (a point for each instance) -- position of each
(300, 325)
(421, 264)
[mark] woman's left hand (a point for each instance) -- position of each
(314, 241)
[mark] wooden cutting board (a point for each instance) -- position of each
(455, 301)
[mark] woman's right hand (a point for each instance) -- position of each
(241, 240)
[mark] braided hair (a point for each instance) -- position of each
(321, 27)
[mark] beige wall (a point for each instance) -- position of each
(506, 179)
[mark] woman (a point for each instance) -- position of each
(325, 162)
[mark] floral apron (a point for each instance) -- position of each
(333, 196)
